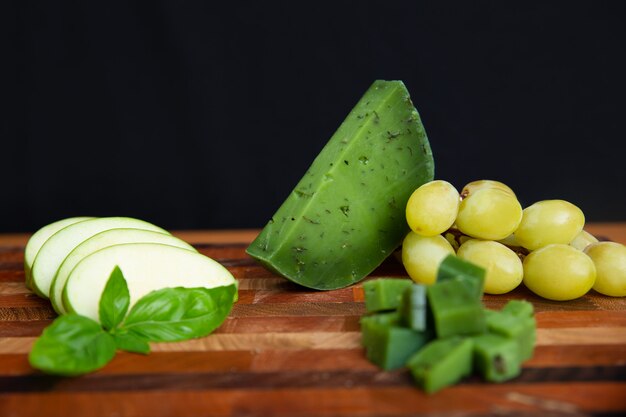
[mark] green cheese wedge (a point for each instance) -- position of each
(347, 213)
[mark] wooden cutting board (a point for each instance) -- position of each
(288, 351)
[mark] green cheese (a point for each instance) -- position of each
(413, 307)
(521, 328)
(441, 363)
(389, 345)
(472, 275)
(497, 358)
(391, 318)
(384, 293)
(347, 213)
(519, 308)
(455, 309)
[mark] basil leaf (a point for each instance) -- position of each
(72, 345)
(131, 342)
(173, 314)
(114, 301)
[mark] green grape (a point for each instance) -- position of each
(480, 184)
(509, 240)
(504, 268)
(421, 256)
(610, 261)
(432, 208)
(549, 221)
(559, 272)
(489, 213)
(583, 239)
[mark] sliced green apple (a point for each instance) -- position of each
(146, 267)
(39, 238)
(99, 241)
(60, 244)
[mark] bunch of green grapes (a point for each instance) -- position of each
(543, 245)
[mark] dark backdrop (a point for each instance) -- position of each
(201, 115)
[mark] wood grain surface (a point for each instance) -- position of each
(289, 351)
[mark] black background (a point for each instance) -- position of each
(201, 115)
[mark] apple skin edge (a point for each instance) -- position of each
(60, 244)
(100, 241)
(37, 240)
(146, 267)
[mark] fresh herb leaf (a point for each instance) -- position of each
(131, 342)
(174, 314)
(114, 301)
(72, 345)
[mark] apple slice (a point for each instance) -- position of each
(60, 244)
(146, 267)
(99, 241)
(39, 238)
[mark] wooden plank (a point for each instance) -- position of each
(40, 312)
(284, 379)
(271, 360)
(290, 351)
(313, 309)
(14, 294)
(22, 300)
(333, 340)
(600, 318)
(13, 288)
(230, 325)
(545, 320)
(223, 342)
(22, 328)
(301, 297)
(11, 275)
(462, 400)
(571, 355)
(611, 231)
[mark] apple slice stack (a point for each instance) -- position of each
(70, 261)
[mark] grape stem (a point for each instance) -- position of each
(459, 237)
